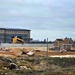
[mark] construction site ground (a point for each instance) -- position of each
(15, 51)
(36, 64)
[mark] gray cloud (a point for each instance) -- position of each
(39, 15)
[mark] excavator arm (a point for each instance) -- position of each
(17, 40)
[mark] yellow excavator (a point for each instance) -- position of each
(17, 40)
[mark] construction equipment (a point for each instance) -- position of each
(17, 40)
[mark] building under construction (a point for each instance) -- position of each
(6, 34)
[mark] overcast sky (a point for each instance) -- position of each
(45, 18)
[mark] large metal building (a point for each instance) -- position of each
(6, 34)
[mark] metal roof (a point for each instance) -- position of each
(15, 29)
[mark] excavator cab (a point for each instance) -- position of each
(17, 40)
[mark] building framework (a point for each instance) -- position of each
(6, 34)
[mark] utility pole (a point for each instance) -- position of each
(47, 58)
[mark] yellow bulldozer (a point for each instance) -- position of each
(17, 40)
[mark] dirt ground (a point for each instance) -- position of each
(14, 52)
(36, 64)
(54, 53)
